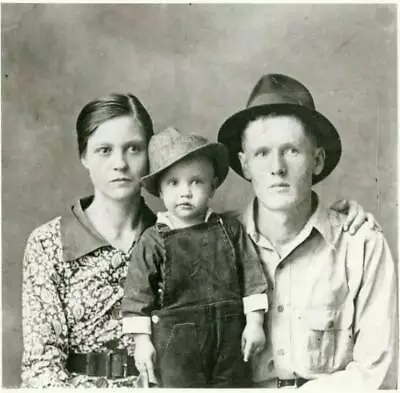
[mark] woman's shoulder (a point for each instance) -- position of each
(47, 230)
(43, 250)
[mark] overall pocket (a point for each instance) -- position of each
(328, 332)
(179, 356)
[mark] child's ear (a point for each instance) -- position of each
(214, 185)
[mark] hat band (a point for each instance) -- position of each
(272, 98)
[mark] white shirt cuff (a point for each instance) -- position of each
(137, 324)
(259, 301)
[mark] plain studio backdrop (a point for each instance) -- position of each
(192, 66)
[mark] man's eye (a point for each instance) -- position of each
(261, 153)
(292, 151)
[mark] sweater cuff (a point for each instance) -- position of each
(136, 325)
(255, 302)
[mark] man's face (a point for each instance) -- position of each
(279, 159)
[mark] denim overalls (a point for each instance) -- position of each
(197, 330)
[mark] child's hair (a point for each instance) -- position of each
(210, 159)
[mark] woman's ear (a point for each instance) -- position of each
(243, 163)
(84, 161)
(319, 156)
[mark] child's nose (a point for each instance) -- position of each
(185, 190)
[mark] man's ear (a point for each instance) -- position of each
(243, 163)
(319, 156)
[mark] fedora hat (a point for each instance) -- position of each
(281, 94)
(170, 146)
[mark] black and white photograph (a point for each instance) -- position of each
(200, 195)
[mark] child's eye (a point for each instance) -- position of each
(197, 181)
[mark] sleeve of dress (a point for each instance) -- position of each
(44, 327)
(141, 285)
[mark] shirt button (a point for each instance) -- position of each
(155, 318)
(280, 352)
(280, 308)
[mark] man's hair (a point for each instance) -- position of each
(287, 113)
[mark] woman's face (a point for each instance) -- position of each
(116, 158)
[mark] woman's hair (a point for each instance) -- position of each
(105, 108)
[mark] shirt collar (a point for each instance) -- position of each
(78, 235)
(165, 218)
(321, 220)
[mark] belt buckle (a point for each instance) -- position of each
(117, 364)
(287, 383)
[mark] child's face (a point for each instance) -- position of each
(187, 187)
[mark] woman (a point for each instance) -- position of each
(75, 265)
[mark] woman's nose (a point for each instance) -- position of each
(119, 161)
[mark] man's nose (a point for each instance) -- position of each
(278, 165)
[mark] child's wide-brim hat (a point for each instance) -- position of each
(171, 146)
(281, 94)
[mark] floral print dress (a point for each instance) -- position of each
(72, 290)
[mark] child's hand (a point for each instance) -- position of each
(253, 340)
(145, 356)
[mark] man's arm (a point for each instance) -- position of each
(375, 349)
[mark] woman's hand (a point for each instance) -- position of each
(356, 217)
(145, 357)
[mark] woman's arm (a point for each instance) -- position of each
(44, 327)
(356, 216)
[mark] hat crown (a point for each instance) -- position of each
(280, 89)
(170, 144)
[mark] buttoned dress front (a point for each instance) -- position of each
(72, 290)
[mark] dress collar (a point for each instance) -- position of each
(78, 235)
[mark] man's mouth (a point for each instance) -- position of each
(279, 185)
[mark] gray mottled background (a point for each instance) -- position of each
(192, 66)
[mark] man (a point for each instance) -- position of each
(332, 320)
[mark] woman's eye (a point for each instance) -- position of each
(133, 149)
(103, 150)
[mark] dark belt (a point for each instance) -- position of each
(296, 382)
(109, 364)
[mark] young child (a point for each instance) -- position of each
(192, 275)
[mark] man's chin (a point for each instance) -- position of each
(278, 203)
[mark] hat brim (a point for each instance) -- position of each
(230, 133)
(215, 151)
